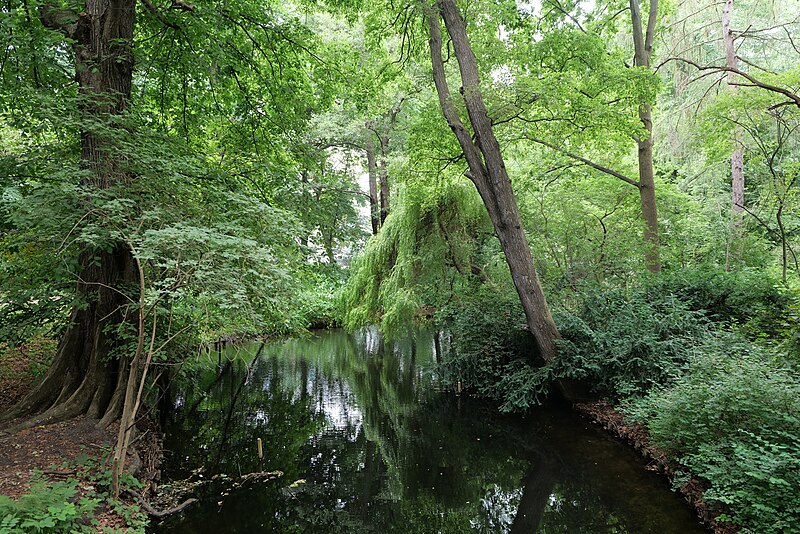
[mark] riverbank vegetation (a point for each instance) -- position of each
(591, 199)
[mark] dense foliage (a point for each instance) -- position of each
(232, 176)
(734, 420)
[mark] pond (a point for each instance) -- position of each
(367, 442)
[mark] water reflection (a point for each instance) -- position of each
(368, 444)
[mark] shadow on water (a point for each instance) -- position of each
(367, 443)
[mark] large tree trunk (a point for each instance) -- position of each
(87, 377)
(488, 172)
(643, 50)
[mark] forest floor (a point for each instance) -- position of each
(604, 414)
(52, 450)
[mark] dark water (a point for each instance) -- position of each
(367, 444)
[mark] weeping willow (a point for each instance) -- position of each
(427, 250)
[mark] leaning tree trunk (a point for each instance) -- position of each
(643, 50)
(86, 376)
(488, 172)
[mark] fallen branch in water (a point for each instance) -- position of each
(160, 513)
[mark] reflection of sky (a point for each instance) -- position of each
(499, 508)
(335, 399)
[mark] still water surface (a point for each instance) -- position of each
(367, 443)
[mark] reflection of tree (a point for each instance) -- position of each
(380, 450)
(223, 416)
(537, 486)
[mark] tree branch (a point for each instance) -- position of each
(754, 82)
(585, 161)
(159, 15)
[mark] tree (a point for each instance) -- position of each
(487, 170)
(372, 177)
(737, 155)
(381, 128)
(84, 377)
(191, 179)
(643, 48)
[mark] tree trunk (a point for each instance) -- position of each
(643, 50)
(487, 171)
(384, 178)
(372, 174)
(737, 155)
(86, 376)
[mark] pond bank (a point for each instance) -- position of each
(605, 415)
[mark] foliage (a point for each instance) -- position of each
(48, 507)
(734, 420)
(31, 359)
(423, 254)
(618, 342)
(491, 352)
(752, 301)
(623, 345)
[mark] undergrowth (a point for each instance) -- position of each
(49, 507)
(707, 360)
(734, 420)
(72, 505)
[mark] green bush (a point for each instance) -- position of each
(47, 508)
(734, 420)
(619, 342)
(753, 301)
(491, 352)
(623, 344)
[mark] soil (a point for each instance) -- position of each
(48, 448)
(604, 414)
(20, 367)
(53, 449)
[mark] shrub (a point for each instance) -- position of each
(753, 301)
(734, 420)
(491, 351)
(621, 345)
(47, 508)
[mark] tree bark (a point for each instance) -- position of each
(737, 155)
(643, 51)
(488, 172)
(372, 175)
(384, 177)
(86, 376)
